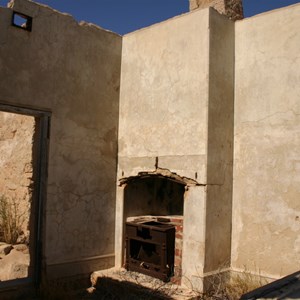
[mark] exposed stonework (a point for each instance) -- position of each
(233, 9)
(16, 140)
(165, 173)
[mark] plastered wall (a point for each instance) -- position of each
(72, 71)
(176, 113)
(163, 114)
(164, 97)
(219, 143)
(266, 211)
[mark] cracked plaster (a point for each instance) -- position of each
(176, 104)
(267, 142)
(70, 58)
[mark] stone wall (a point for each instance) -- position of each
(72, 72)
(16, 143)
(266, 214)
(233, 9)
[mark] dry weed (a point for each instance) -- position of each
(11, 220)
(224, 288)
(242, 283)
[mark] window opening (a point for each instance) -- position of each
(22, 21)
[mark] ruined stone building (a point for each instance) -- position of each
(196, 117)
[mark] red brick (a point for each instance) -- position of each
(178, 236)
(178, 252)
(178, 272)
(178, 261)
(179, 228)
(178, 247)
(176, 280)
(177, 220)
(178, 241)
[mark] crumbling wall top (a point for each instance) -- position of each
(233, 9)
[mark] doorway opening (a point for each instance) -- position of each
(23, 161)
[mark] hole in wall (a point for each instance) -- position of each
(22, 21)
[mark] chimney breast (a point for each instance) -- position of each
(233, 9)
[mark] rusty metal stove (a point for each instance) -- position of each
(150, 248)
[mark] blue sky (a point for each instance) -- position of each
(123, 16)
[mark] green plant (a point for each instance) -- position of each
(11, 220)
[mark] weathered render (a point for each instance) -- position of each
(73, 71)
(199, 100)
(163, 114)
(175, 115)
(266, 214)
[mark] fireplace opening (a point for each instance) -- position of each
(153, 231)
(153, 195)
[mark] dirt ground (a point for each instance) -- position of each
(14, 261)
